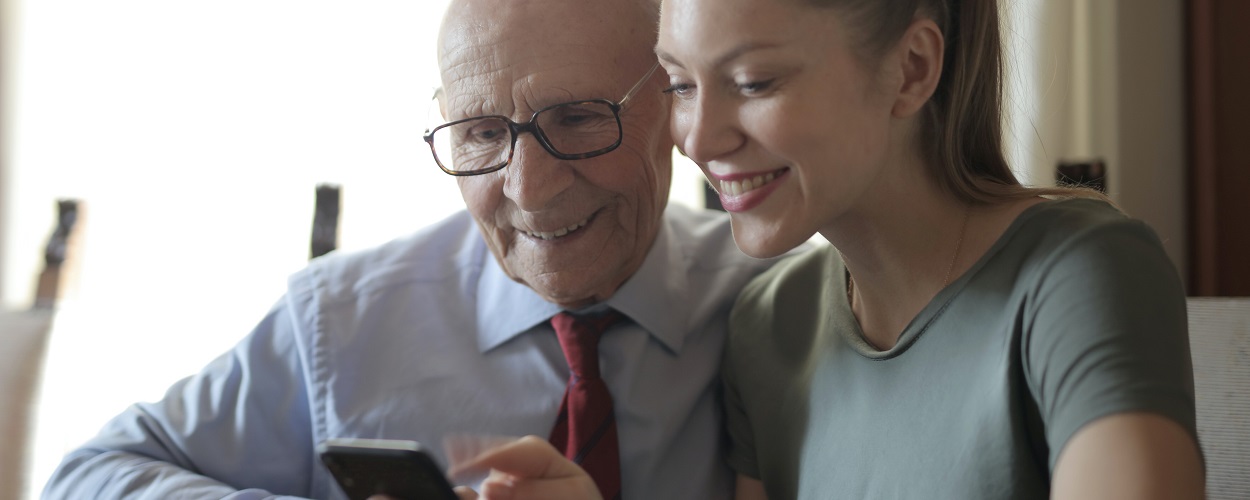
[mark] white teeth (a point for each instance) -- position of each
(557, 233)
(735, 188)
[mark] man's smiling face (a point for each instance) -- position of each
(573, 230)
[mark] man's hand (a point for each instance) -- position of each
(464, 492)
(528, 468)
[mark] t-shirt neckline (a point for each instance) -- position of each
(848, 325)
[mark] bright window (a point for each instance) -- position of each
(195, 134)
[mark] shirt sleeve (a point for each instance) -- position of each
(238, 429)
(1106, 332)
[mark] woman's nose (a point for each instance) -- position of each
(706, 130)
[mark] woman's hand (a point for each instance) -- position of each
(528, 468)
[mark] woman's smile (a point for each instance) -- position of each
(742, 192)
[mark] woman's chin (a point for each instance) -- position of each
(762, 243)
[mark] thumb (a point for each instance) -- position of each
(466, 493)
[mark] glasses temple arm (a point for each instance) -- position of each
(629, 95)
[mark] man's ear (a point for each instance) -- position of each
(441, 97)
(923, 48)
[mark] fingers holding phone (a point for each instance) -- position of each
(464, 492)
(529, 468)
(515, 469)
(402, 470)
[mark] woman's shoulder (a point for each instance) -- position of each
(800, 273)
(1081, 243)
(790, 291)
(1070, 218)
(1058, 227)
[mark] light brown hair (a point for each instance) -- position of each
(962, 128)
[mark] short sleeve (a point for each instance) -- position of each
(1106, 332)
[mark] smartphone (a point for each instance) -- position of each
(398, 468)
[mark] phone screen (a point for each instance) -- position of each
(400, 469)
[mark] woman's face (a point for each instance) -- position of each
(772, 103)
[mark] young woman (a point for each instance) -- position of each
(964, 336)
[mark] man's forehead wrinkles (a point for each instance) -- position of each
(465, 105)
(473, 51)
(536, 91)
(484, 88)
(473, 77)
(468, 34)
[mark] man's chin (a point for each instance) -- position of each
(573, 298)
(575, 275)
(570, 289)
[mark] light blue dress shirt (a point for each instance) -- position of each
(425, 337)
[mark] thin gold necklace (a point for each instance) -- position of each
(959, 243)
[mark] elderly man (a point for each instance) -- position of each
(558, 133)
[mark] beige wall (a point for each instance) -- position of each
(1104, 79)
(1151, 119)
(5, 68)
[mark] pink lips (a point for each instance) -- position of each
(751, 197)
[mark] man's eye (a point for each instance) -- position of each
(486, 134)
(582, 118)
(574, 119)
(586, 116)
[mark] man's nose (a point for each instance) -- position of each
(707, 130)
(535, 178)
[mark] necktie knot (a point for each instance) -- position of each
(579, 339)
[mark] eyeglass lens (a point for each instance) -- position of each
(486, 142)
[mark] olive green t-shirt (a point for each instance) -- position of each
(1075, 313)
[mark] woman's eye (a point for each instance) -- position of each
(755, 87)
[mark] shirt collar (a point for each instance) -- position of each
(651, 298)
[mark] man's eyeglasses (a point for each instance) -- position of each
(569, 131)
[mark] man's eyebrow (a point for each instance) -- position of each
(725, 58)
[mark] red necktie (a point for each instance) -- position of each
(586, 428)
